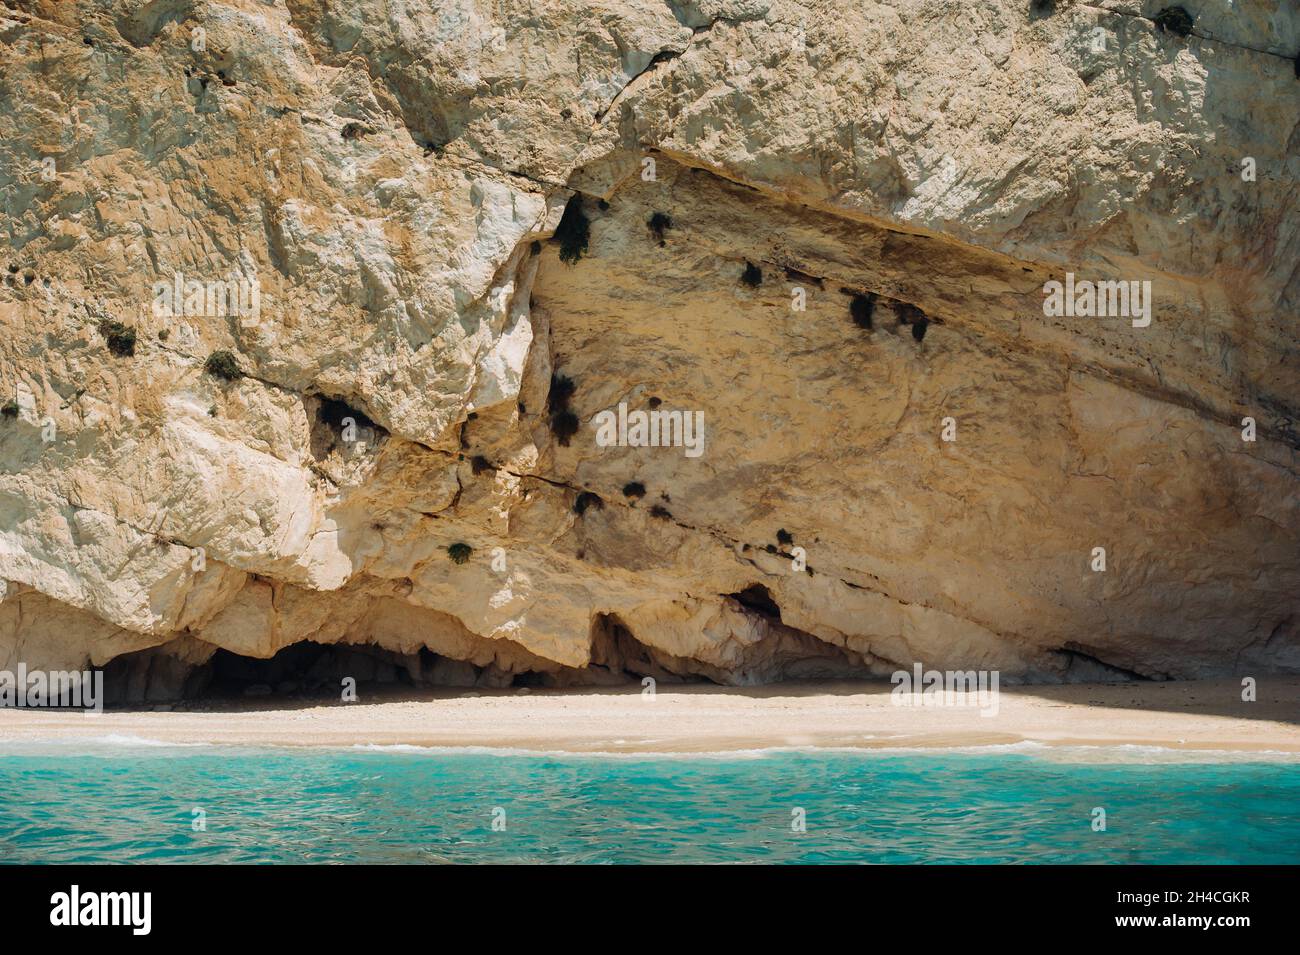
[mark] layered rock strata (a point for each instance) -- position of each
(823, 229)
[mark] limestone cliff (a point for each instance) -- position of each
(825, 227)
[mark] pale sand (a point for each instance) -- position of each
(1205, 715)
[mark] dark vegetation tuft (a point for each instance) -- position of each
(861, 307)
(120, 338)
(564, 425)
(562, 389)
(911, 315)
(222, 364)
(660, 223)
(573, 232)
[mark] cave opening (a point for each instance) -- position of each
(305, 670)
(758, 598)
(308, 671)
(336, 423)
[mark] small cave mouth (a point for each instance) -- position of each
(1082, 666)
(332, 411)
(782, 654)
(334, 422)
(621, 658)
(758, 598)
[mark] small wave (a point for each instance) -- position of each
(1146, 752)
(105, 743)
(1075, 753)
(757, 752)
(126, 739)
(452, 750)
(872, 747)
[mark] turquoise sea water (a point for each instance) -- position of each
(124, 803)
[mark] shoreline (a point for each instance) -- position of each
(1202, 717)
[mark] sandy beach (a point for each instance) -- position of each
(1204, 715)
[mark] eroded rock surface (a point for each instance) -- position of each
(389, 177)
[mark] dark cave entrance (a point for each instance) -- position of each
(301, 671)
(758, 598)
(337, 425)
(315, 672)
(306, 668)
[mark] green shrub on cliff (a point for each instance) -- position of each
(222, 364)
(573, 232)
(120, 338)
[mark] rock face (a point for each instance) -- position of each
(825, 229)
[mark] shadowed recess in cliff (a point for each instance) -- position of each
(763, 650)
(305, 668)
(1083, 666)
(757, 649)
(335, 423)
(756, 597)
